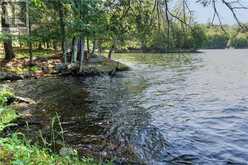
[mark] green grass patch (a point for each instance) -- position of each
(24, 53)
(17, 151)
(6, 116)
(5, 95)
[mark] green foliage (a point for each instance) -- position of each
(241, 41)
(198, 37)
(18, 151)
(5, 95)
(216, 38)
(6, 116)
(120, 25)
(216, 41)
(34, 69)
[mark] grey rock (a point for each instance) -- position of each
(9, 76)
(98, 59)
(60, 67)
(45, 69)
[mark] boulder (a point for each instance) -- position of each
(73, 67)
(60, 67)
(98, 59)
(9, 76)
(45, 69)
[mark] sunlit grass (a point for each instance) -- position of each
(6, 116)
(24, 53)
(5, 95)
(17, 150)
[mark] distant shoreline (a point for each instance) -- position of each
(173, 51)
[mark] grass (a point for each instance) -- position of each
(23, 53)
(6, 116)
(17, 150)
(5, 95)
(19, 64)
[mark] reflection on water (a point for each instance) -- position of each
(169, 109)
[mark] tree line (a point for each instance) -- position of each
(72, 26)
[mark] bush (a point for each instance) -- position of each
(6, 116)
(239, 42)
(5, 96)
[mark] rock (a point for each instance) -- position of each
(60, 67)
(73, 67)
(9, 76)
(67, 151)
(97, 59)
(24, 100)
(45, 69)
(27, 75)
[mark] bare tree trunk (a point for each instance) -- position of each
(168, 23)
(47, 45)
(82, 45)
(75, 50)
(30, 48)
(8, 48)
(88, 44)
(99, 43)
(111, 51)
(94, 47)
(40, 46)
(62, 31)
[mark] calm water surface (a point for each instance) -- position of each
(169, 109)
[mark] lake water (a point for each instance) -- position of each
(168, 109)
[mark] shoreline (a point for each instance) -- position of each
(19, 69)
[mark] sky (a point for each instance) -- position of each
(205, 14)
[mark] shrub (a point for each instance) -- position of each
(5, 96)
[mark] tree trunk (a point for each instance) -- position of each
(75, 51)
(8, 48)
(82, 45)
(111, 51)
(30, 48)
(47, 44)
(62, 31)
(55, 46)
(99, 43)
(88, 44)
(72, 48)
(94, 47)
(40, 46)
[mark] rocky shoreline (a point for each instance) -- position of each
(20, 69)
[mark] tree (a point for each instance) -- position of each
(7, 42)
